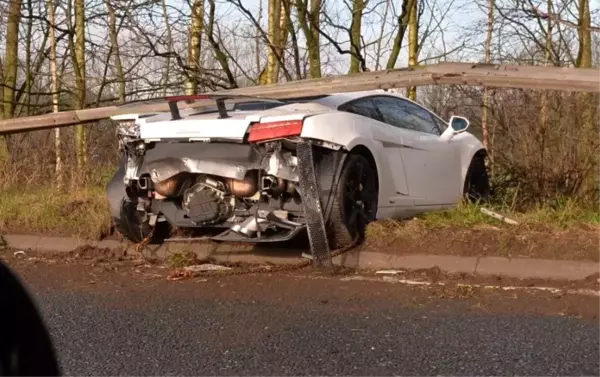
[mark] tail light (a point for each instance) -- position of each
(275, 130)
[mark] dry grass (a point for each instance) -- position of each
(43, 210)
(182, 259)
(562, 215)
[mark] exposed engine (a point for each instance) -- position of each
(192, 187)
(207, 202)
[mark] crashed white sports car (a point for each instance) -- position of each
(261, 169)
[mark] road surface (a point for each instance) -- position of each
(134, 322)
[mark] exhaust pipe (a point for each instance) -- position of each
(143, 183)
(273, 185)
(246, 187)
(173, 186)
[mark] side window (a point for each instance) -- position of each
(364, 107)
(400, 113)
(440, 124)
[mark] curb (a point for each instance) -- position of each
(522, 268)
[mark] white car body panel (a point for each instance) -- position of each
(417, 171)
(195, 129)
(203, 127)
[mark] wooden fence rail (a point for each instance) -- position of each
(499, 76)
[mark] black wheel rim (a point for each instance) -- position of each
(360, 197)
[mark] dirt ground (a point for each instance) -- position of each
(108, 260)
(572, 244)
(98, 270)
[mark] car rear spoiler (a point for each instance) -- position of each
(199, 101)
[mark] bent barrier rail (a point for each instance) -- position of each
(488, 75)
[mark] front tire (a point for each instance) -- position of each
(477, 184)
(350, 201)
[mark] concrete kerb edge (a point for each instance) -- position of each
(359, 259)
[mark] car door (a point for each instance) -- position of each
(432, 165)
(394, 193)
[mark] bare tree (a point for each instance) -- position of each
(310, 24)
(403, 21)
(413, 44)
(58, 169)
(194, 46)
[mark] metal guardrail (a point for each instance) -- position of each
(488, 75)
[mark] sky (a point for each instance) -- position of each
(458, 15)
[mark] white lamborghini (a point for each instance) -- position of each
(232, 163)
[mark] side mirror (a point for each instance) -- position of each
(457, 125)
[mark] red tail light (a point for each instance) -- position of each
(275, 130)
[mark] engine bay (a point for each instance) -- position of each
(246, 189)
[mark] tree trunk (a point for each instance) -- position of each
(10, 70)
(487, 59)
(28, 67)
(221, 56)
(274, 34)
(58, 168)
(544, 104)
(413, 44)
(403, 20)
(381, 33)
(167, 73)
(114, 41)
(257, 38)
(287, 8)
(355, 35)
(314, 46)
(194, 46)
(11, 58)
(78, 57)
(284, 32)
(584, 60)
(584, 55)
(309, 22)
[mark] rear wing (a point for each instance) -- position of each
(204, 100)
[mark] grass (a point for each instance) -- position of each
(561, 215)
(44, 210)
(84, 213)
(182, 259)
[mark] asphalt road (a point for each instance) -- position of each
(113, 323)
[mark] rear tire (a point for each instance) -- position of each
(349, 200)
(134, 225)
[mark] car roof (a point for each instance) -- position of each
(335, 100)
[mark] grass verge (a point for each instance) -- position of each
(561, 217)
(567, 231)
(562, 231)
(82, 212)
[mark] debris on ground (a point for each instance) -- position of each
(19, 253)
(388, 272)
(307, 256)
(195, 270)
(499, 216)
(206, 267)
